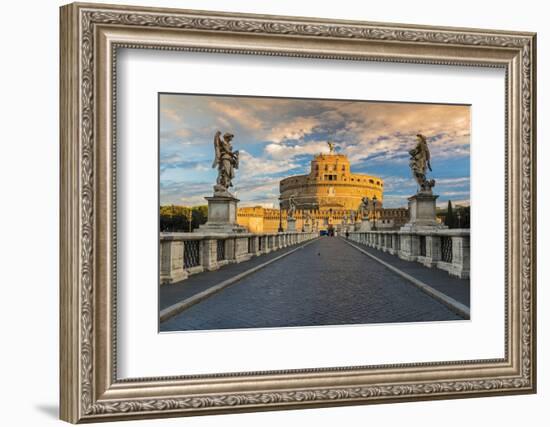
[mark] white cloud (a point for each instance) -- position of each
(283, 151)
(193, 201)
(255, 166)
(171, 113)
(454, 182)
(239, 113)
(296, 128)
(375, 132)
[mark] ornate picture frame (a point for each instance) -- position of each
(90, 37)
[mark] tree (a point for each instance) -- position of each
(182, 218)
(449, 219)
(463, 217)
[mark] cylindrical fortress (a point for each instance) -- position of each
(330, 187)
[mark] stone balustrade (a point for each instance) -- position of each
(447, 249)
(184, 254)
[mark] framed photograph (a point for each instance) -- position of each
(267, 212)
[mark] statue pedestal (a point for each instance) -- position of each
(291, 224)
(365, 225)
(422, 213)
(222, 216)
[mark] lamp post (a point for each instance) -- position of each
(280, 230)
(374, 201)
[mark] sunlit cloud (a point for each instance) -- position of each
(277, 138)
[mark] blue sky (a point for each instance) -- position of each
(277, 137)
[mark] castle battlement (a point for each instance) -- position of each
(329, 195)
(331, 184)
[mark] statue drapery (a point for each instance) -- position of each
(226, 160)
(420, 164)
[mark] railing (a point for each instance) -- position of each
(184, 254)
(448, 250)
(191, 253)
(220, 250)
(261, 243)
(422, 245)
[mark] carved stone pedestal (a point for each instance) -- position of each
(222, 216)
(365, 225)
(291, 224)
(422, 213)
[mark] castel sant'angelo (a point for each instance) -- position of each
(327, 196)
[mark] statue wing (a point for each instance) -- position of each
(217, 143)
(427, 153)
(428, 158)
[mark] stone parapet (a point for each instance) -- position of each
(446, 249)
(185, 254)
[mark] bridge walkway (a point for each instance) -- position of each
(325, 282)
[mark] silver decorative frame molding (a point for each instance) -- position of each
(90, 36)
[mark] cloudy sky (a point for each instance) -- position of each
(277, 137)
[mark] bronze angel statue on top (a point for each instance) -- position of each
(226, 160)
(420, 163)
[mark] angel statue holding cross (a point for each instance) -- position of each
(226, 160)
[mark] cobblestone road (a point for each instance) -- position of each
(326, 283)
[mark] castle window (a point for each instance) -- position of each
(371, 181)
(343, 168)
(326, 167)
(377, 182)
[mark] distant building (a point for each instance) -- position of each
(329, 195)
(331, 184)
(259, 219)
(393, 217)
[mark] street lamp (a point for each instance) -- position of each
(280, 230)
(374, 200)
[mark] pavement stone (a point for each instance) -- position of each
(456, 288)
(328, 282)
(175, 292)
